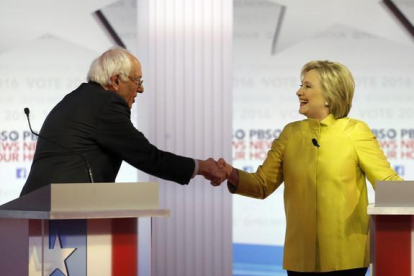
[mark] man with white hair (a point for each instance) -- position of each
(92, 125)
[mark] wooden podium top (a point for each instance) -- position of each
(87, 201)
(375, 210)
(393, 198)
(17, 214)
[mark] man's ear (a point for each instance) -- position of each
(114, 82)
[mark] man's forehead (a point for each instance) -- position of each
(136, 65)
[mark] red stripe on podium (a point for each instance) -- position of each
(393, 245)
(124, 247)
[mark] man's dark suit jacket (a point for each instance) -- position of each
(96, 123)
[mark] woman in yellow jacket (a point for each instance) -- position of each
(323, 162)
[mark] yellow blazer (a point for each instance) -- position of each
(325, 193)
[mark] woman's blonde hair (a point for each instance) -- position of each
(337, 85)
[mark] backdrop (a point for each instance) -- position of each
(45, 53)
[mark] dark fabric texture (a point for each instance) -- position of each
(96, 123)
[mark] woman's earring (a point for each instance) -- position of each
(326, 104)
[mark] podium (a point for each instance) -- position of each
(80, 229)
(392, 231)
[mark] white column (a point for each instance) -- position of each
(186, 51)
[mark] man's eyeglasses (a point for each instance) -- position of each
(138, 81)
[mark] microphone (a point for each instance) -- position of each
(315, 142)
(88, 168)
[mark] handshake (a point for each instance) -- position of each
(215, 171)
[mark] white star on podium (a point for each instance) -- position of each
(54, 258)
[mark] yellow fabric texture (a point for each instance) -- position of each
(325, 194)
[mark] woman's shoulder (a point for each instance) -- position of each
(356, 127)
(354, 123)
(294, 126)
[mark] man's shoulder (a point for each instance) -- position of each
(86, 89)
(95, 94)
(89, 100)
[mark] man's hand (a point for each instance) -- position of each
(232, 174)
(222, 164)
(211, 171)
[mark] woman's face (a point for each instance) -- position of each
(311, 99)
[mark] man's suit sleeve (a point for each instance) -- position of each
(116, 133)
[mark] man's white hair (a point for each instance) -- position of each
(116, 61)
